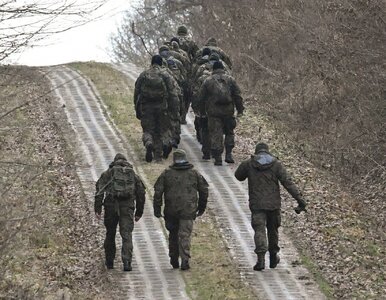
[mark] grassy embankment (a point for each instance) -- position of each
(212, 274)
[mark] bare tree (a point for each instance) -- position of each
(25, 23)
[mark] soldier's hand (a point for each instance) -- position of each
(298, 209)
(137, 218)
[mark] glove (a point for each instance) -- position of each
(199, 212)
(301, 206)
(157, 212)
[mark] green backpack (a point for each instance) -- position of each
(221, 89)
(122, 182)
(153, 88)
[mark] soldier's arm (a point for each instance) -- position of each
(202, 97)
(99, 193)
(241, 172)
(236, 96)
(140, 196)
(203, 192)
(286, 180)
(158, 193)
(137, 88)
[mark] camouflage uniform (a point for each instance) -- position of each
(221, 118)
(212, 45)
(264, 172)
(155, 117)
(185, 192)
(118, 210)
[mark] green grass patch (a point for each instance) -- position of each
(212, 274)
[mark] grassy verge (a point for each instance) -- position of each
(212, 275)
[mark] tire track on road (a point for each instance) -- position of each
(229, 202)
(152, 276)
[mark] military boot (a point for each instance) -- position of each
(229, 157)
(127, 266)
(166, 149)
(218, 160)
(174, 262)
(185, 265)
(149, 152)
(206, 156)
(274, 259)
(109, 264)
(260, 264)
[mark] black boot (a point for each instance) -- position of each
(185, 265)
(109, 264)
(274, 259)
(149, 152)
(218, 160)
(228, 155)
(174, 262)
(127, 266)
(260, 264)
(206, 156)
(166, 149)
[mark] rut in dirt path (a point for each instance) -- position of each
(98, 141)
(229, 201)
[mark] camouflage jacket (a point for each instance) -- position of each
(184, 189)
(103, 198)
(188, 45)
(264, 172)
(172, 100)
(209, 101)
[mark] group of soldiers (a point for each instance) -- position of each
(180, 75)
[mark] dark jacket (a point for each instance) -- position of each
(104, 198)
(264, 172)
(184, 189)
(210, 101)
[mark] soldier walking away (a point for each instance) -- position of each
(219, 96)
(122, 194)
(264, 172)
(156, 105)
(185, 192)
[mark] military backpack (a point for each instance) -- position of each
(221, 89)
(122, 182)
(153, 88)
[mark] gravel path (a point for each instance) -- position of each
(228, 201)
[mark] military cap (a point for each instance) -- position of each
(261, 147)
(156, 59)
(206, 51)
(179, 156)
(119, 156)
(182, 30)
(211, 42)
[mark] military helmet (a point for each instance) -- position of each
(261, 147)
(179, 156)
(182, 30)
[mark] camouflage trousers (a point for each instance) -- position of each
(266, 222)
(125, 219)
(156, 128)
(180, 232)
(218, 126)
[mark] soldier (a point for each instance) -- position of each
(156, 104)
(120, 191)
(264, 172)
(212, 45)
(219, 95)
(185, 192)
(186, 43)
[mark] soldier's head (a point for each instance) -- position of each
(175, 39)
(179, 157)
(218, 66)
(206, 51)
(164, 51)
(261, 147)
(214, 57)
(211, 42)
(156, 60)
(182, 30)
(119, 156)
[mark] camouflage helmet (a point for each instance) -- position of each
(261, 147)
(211, 42)
(182, 30)
(179, 156)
